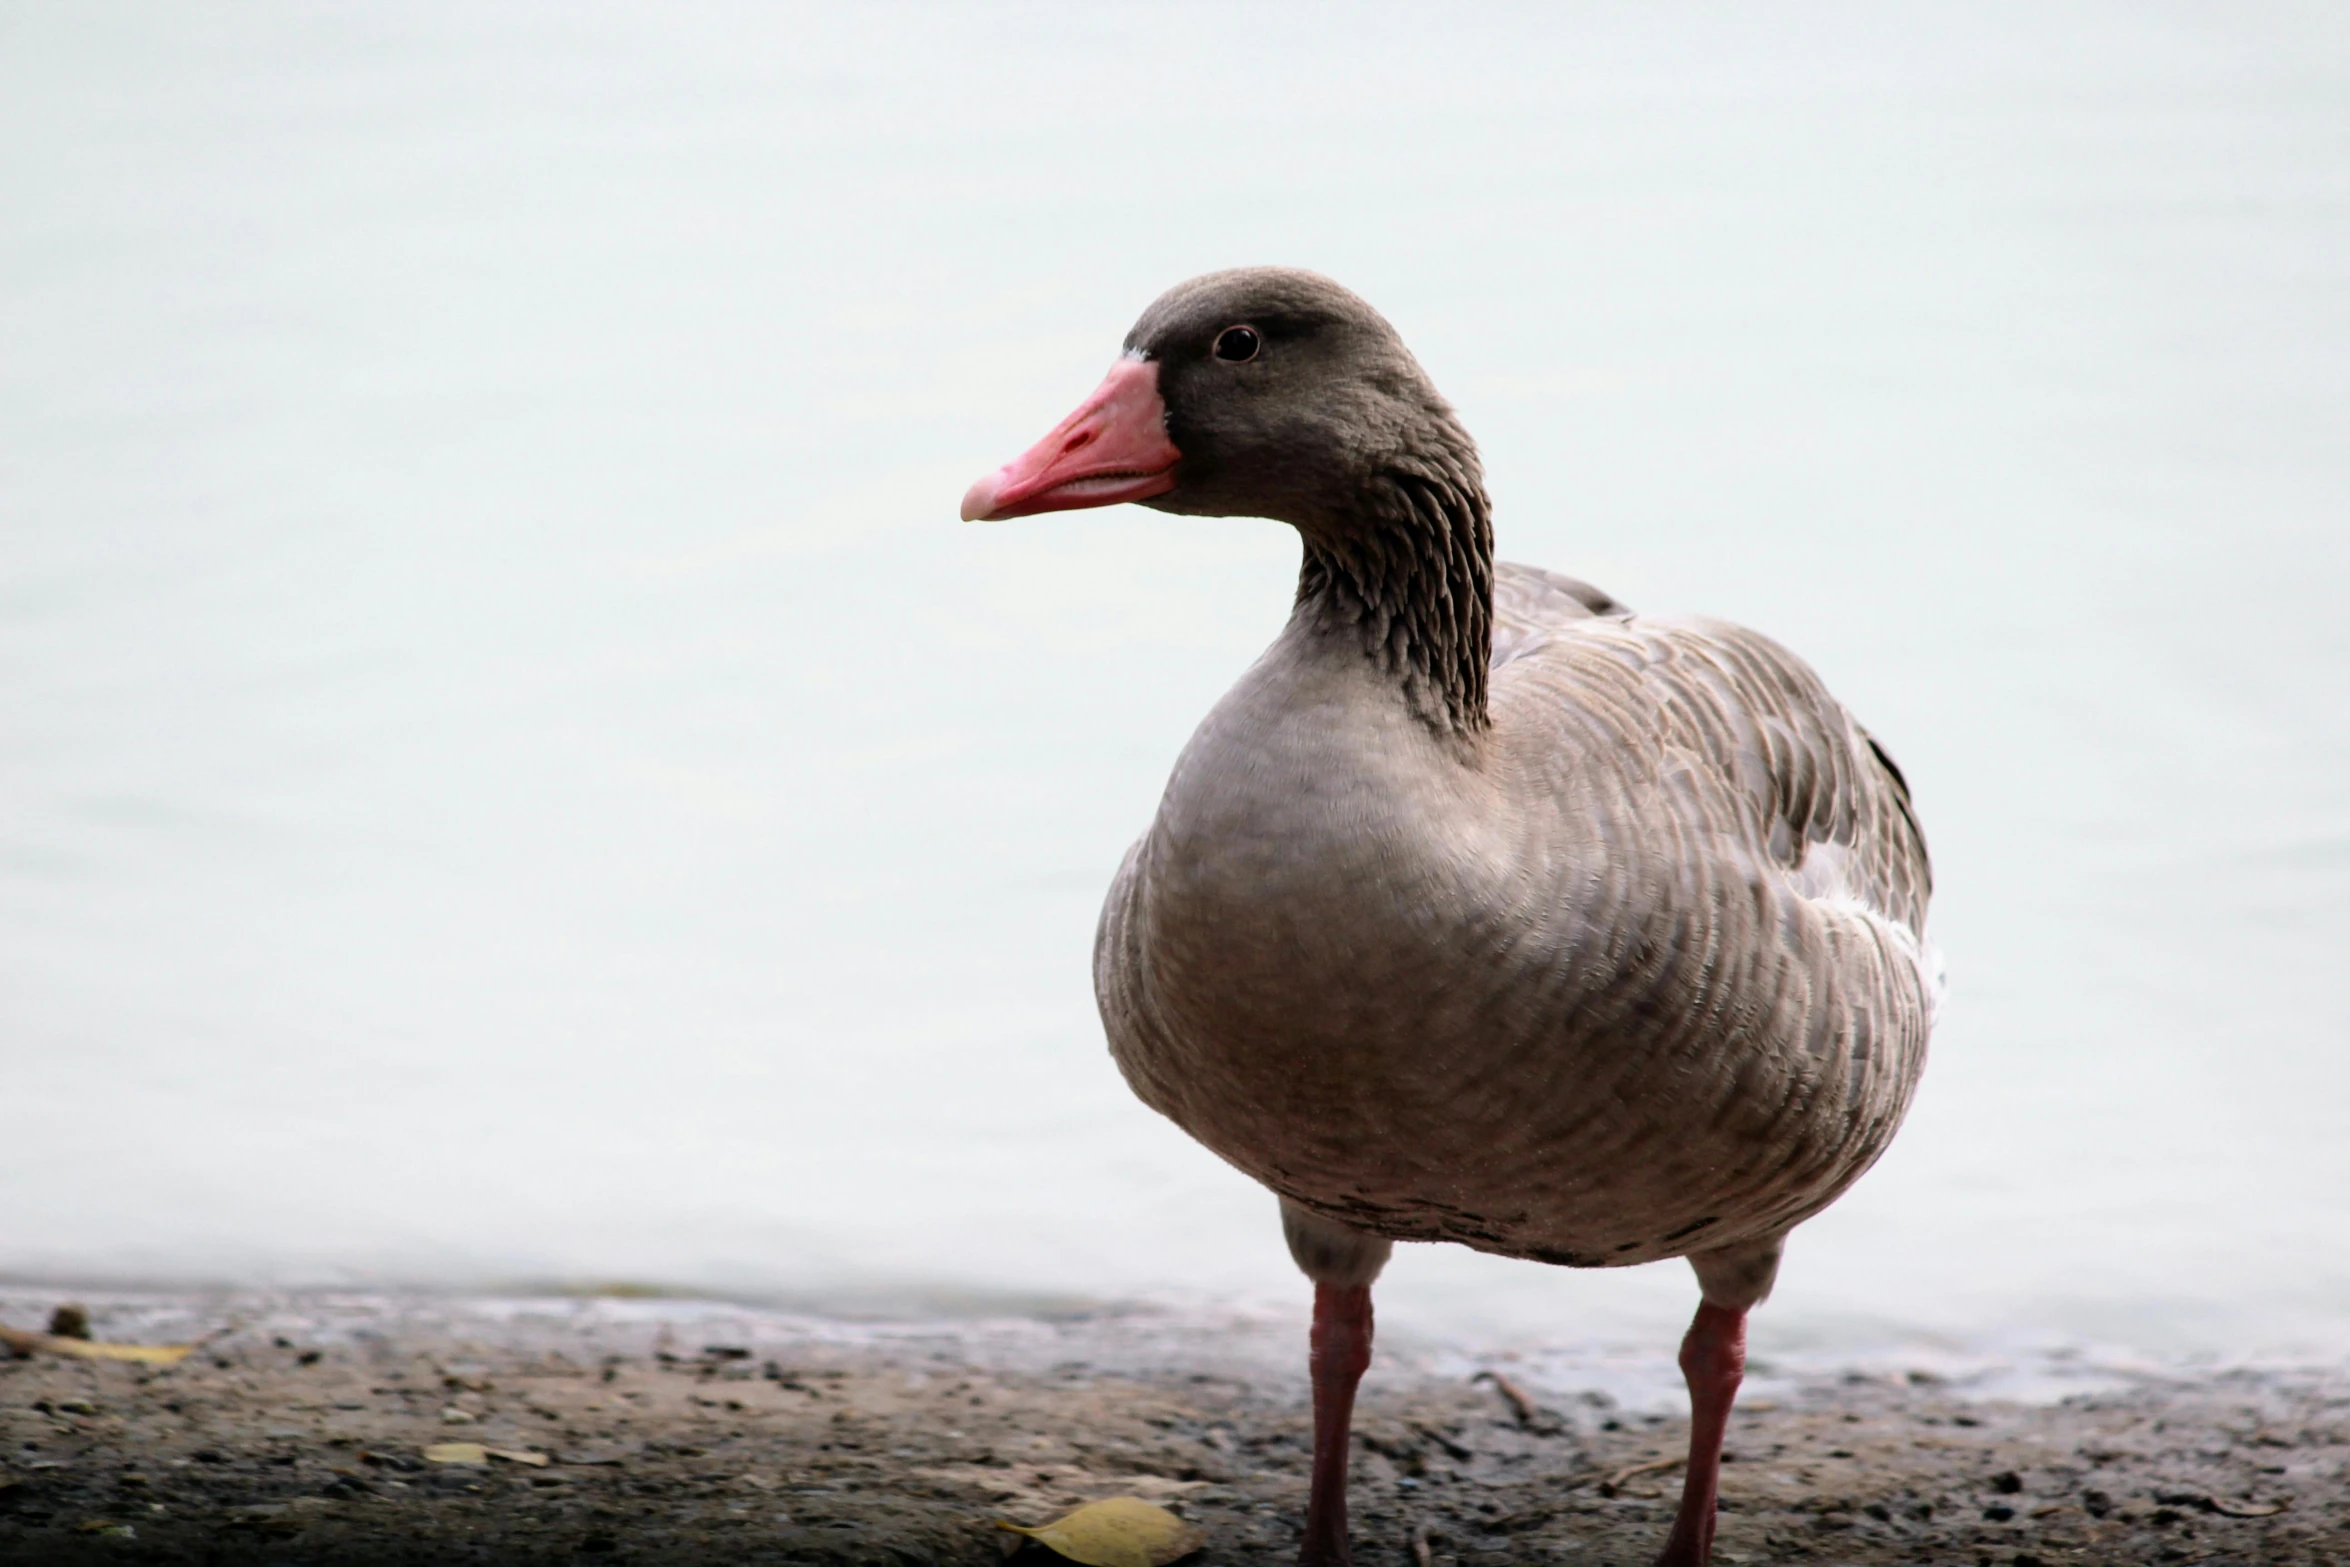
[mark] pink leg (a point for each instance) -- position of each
(1713, 1358)
(1341, 1352)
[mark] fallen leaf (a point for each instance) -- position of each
(2229, 1509)
(475, 1453)
(145, 1354)
(270, 1517)
(1124, 1531)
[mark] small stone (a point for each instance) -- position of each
(2007, 1482)
(453, 1416)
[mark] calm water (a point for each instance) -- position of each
(512, 771)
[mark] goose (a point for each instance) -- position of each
(1483, 909)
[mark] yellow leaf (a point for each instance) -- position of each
(518, 1455)
(1124, 1531)
(457, 1453)
(144, 1354)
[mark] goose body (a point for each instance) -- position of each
(1634, 974)
(1482, 909)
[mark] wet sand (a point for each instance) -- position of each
(296, 1433)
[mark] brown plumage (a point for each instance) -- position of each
(1482, 909)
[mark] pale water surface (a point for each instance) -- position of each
(510, 770)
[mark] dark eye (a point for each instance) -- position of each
(1238, 344)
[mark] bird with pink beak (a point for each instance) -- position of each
(1482, 909)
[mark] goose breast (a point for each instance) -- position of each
(1644, 978)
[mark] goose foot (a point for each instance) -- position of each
(1341, 1352)
(1713, 1359)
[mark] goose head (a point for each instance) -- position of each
(1255, 392)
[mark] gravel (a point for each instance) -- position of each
(297, 1433)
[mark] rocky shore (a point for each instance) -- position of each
(372, 1429)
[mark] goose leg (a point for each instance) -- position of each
(1341, 1353)
(1713, 1360)
(1342, 1263)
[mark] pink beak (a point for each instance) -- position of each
(1113, 448)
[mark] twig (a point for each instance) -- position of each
(1613, 1483)
(1421, 1555)
(1530, 1415)
(1520, 1405)
(1441, 1440)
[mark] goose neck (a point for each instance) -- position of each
(1403, 578)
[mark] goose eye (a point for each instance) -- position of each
(1238, 343)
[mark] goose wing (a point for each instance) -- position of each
(1815, 793)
